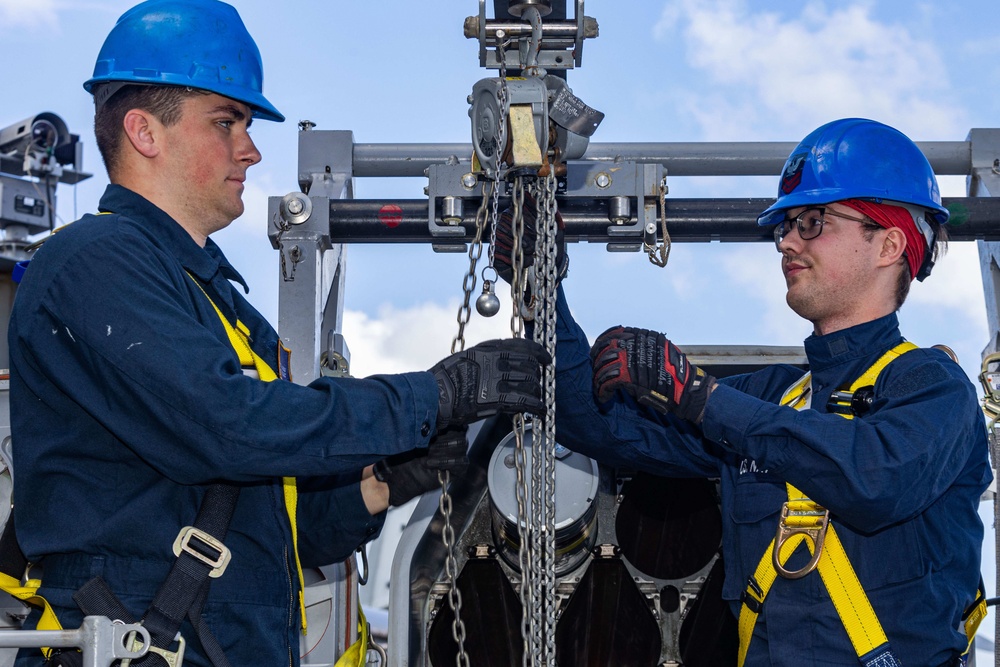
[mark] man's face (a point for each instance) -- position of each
(830, 277)
(207, 156)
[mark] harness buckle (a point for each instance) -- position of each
(806, 518)
(172, 658)
(202, 549)
(753, 596)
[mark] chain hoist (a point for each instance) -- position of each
(487, 213)
(533, 292)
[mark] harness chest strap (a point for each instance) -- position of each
(239, 338)
(828, 556)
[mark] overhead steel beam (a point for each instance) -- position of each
(749, 158)
(405, 220)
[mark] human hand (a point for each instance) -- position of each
(413, 473)
(646, 365)
(502, 261)
(486, 379)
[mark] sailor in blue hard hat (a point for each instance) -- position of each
(879, 450)
(198, 43)
(861, 170)
(166, 470)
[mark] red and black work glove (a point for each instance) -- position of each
(413, 473)
(498, 376)
(505, 242)
(651, 369)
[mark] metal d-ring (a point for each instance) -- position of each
(806, 518)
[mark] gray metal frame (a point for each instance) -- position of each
(311, 296)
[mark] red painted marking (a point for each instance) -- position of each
(390, 215)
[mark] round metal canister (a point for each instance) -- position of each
(576, 484)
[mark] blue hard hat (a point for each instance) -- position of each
(855, 158)
(201, 44)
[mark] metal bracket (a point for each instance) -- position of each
(101, 640)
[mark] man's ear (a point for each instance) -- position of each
(893, 247)
(142, 130)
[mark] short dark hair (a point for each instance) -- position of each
(164, 102)
(869, 227)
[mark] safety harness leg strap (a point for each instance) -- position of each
(182, 594)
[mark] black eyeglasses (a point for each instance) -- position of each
(809, 223)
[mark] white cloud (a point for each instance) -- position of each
(398, 340)
(762, 67)
(956, 283)
(28, 14)
(759, 282)
(254, 221)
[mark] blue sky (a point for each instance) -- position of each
(677, 70)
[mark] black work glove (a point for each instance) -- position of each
(505, 242)
(653, 370)
(413, 473)
(489, 378)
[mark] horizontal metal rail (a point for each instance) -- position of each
(405, 220)
(679, 158)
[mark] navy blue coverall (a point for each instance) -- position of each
(128, 401)
(902, 484)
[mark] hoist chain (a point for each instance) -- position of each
(444, 477)
(489, 205)
(451, 570)
(469, 283)
(659, 253)
(536, 486)
(525, 560)
(545, 334)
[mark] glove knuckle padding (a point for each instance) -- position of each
(495, 376)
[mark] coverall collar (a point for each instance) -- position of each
(852, 343)
(202, 262)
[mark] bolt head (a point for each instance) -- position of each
(603, 180)
(469, 181)
(295, 206)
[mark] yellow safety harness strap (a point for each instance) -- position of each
(974, 615)
(239, 338)
(28, 592)
(849, 599)
(356, 654)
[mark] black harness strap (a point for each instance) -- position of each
(183, 593)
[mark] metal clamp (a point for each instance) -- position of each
(217, 563)
(800, 517)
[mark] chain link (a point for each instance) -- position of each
(451, 570)
(469, 282)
